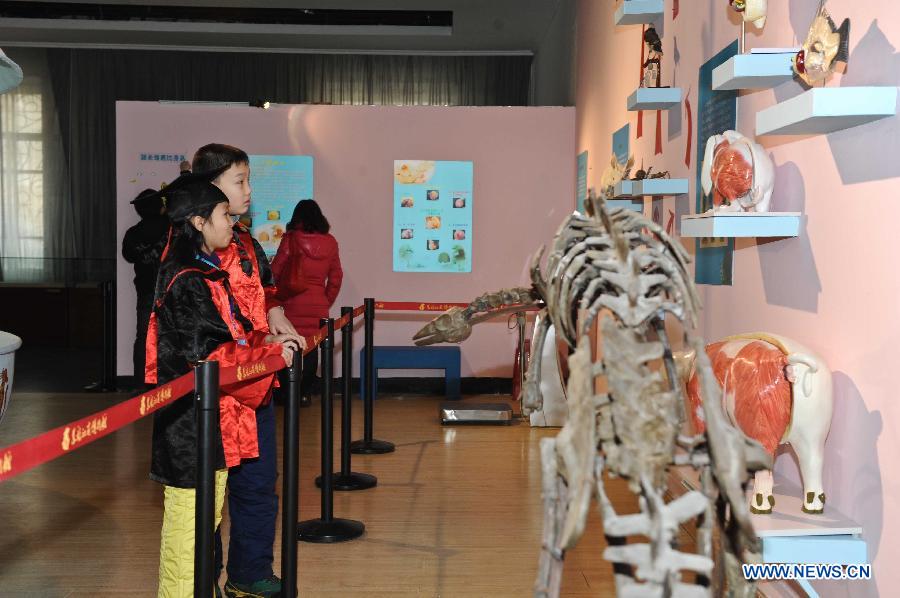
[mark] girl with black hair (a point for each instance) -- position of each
(195, 317)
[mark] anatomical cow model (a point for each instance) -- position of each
(738, 173)
(776, 391)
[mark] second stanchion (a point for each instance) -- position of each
(328, 528)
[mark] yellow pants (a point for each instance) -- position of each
(176, 548)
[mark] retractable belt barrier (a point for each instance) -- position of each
(28, 454)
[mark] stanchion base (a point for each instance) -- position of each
(319, 531)
(100, 387)
(351, 481)
(372, 447)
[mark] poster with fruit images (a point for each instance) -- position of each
(278, 183)
(432, 216)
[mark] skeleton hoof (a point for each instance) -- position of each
(809, 504)
(532, 399)
(759, 506)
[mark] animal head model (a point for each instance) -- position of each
(738, 173)
(752, 11)
(825, 50)
(614, 173)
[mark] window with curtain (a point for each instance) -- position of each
(22, 171)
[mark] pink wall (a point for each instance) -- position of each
(833, 287)
(524, 177)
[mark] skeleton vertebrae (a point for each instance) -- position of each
(621, 271)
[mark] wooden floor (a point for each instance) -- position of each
(456, 511)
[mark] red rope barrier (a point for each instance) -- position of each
(316, 339)
(425, 306)
(28, 454)
(414, 306)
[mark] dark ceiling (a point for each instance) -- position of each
(478, 26)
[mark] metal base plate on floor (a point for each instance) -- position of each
(371, 447)
(319, 531)
(350, 482)
(476, 413)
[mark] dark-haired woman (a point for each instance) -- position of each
(196, 317)
(308, 239)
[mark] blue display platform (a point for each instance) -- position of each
(741, 224)
(791, 536)
(636, 12)
(415, 358)
(826, 110)
(757, 70)
(654, 98)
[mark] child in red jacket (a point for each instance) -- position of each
(252, 498)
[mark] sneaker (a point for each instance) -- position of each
(264, 588)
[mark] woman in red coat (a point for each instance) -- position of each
(307, 237)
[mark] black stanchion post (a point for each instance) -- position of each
(109, 354)
(347, 479)
(107, 382)
(368, 445)
(327, 528)
(289, 480)
(206, 388)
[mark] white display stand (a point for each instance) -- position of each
(788, 534)
(827, 109)
(660, 187)
(741, 224)
(654, 98)
(650, 187)
(757, 70)
(623, 189)
(636, 12)
(791, 536)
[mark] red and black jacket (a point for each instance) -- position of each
(195, 316)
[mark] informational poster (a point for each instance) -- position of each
(716, 113)
(581, 181)
(432, 216)
(278, 183)
(620, 144)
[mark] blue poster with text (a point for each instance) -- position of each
(432, 216)
(278, 183)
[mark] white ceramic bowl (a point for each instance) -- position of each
(9, 343)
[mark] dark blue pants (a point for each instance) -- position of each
(253, 508)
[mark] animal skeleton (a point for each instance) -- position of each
(622, 272)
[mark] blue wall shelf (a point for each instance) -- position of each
(827, 109)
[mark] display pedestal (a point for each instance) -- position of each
(757, 70)
(666, 187)
(636, 12)
(791, 536)
(741, 224)
(623, 190)
(650, 187)
(654, 98)
(826, 110)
